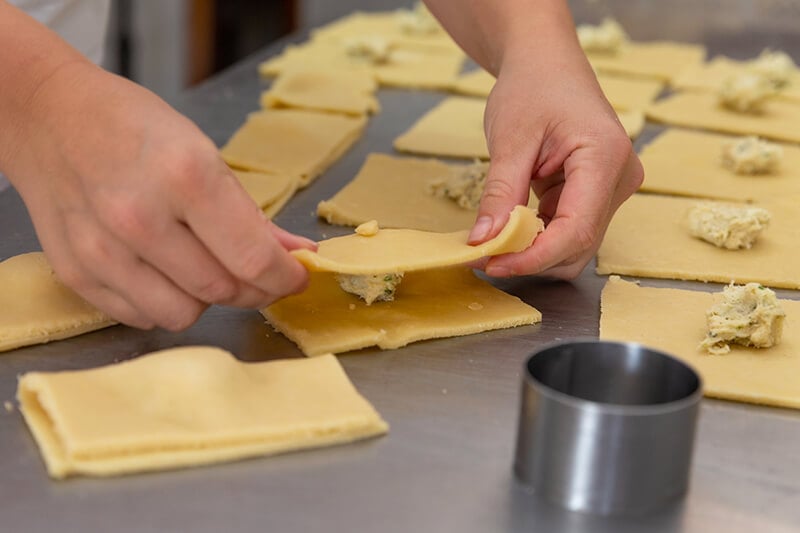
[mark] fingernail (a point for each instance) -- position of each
(499, 271)
(480, 230)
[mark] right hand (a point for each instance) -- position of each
(135, 208)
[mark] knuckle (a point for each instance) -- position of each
(127, 219)
(219, 290)
(182, 318)
(498, 189)
(254, 262)
(75, 278)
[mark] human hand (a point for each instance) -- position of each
(134, 207)
(549, 126)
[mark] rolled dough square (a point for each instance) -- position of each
(189, 406)
(779, 120)
(647, 238)
(269, 191)
(291, 141)
(662, 60)
(689, 163)
(429, 304)
(337, 91)
(674, 321)
(35, 307)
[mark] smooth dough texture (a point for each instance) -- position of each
(35, 307)
(674, 321)
(662, 60)
(689, 163)
(632, 122)
(429, 304)
(269, 191)
(710, 76)
(647, 237)
(291, 141)
(189, 406)
(779, 120)
(453, 128)
(337, 91)
(405, 250)
(393, 191)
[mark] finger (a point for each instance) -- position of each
(290, 241)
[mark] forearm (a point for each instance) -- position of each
(30, 55)
(502, 32)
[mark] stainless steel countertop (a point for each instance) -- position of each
(452, 404)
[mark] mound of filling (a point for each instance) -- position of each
(371, 287)
(745, 93)
(776, 66)
(370, 49)
(751, 155)
(749, 315)
(727, 225)
(607, 37)
(464, 185)
(417, 21)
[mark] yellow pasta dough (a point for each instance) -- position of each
(269, 191)
(429, 304)
(662, 60)
(35, 307)
(689, 163)
(404, 250)
(674, 321)
(647, 237)
(349, 92)
(778, 121)
(189, 406)
(291, 141)
(632, 122)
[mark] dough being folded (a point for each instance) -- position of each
(35, 307)
(445, 302)
(189, 406)
(291, 141)
(330, 90)
(674, 321)
(405, 250)
(269, 191)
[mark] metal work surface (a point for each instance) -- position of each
(452, 404)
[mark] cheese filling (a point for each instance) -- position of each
(745, 93)
(370, 49)
(464, 185)
(775, 65)
(606, 37)
(729, 226)
(751, 155)
(371, 287)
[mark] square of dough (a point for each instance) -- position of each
(453, 128)
(779, 120)
(35, 307)
(428, 304)
(662, 60)
(189, 406)
(393, 191)
(408, 67)
(269, 191)
(710, 76)
(647, 238)
(674, 321)
(336, 91)
(689, 163)
(292, 141)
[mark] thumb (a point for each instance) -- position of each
(508, 184)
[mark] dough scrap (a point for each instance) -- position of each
(674, 320)
(269, 191)
(687, 163)
(291, 141)
(778, 121)
(647, 238)
(405, 250)
(349, 92)
(453, 128)
(189, 406)
(35, 307)
(709, 76)
(662, 60)
(445, 302)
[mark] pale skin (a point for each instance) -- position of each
(137, 212)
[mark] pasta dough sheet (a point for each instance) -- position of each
(662, 60)
(189, 406)
(269, 191)
(700, 110)
(709, 77)
(406, 66)
(349, 92)
(404, 250)
(647, 238)
(453, 128)
(393, 191)
(689, 163)
(632, 122)
(35, 307)
(674, 321)
(429, 304)
(290, 141)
